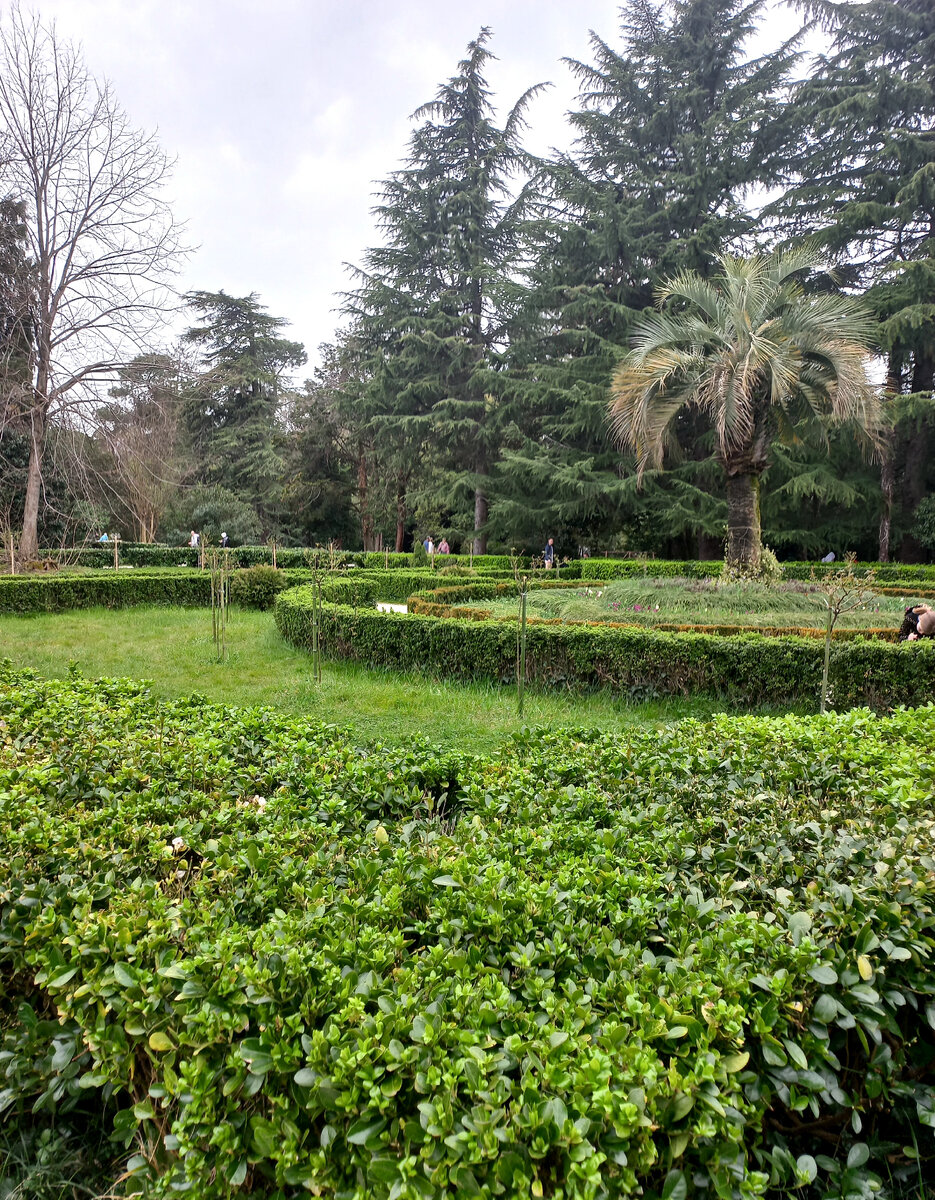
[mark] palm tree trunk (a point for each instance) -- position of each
(743, 520)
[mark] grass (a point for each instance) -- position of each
(173, 649)
(679, 601)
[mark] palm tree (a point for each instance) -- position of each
(760, 357)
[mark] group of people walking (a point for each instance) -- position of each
(195, 540)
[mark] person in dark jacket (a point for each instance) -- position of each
(918, 622)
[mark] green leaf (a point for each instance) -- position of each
(160, 1042)
(824, 974)
(858, 1154)
(123, 976)
(806, 1169)
(62, 977)
(364, 1130)
(675, 1186)
(446, 881)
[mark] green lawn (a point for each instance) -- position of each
(173, 649)
(701, 602)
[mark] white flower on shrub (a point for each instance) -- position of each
(178, 845)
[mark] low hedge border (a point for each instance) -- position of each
(639, 662)
(187, 587)
(139, 554)
(24, 595)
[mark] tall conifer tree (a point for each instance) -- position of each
(865, 191)
(232, 411)
(437, 299)
(674, 126)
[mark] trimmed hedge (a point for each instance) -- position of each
(114, 589)
(653, 568)
(59, 592)
(641, 662)
(24, 594)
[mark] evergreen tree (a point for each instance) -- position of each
(232, 411)
(337, 485)
(865, 192)
(438, 299)
(674, 127)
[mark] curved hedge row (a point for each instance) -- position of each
(639, 662)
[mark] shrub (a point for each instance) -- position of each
(697, 959)
(257, 587)
(112, 589)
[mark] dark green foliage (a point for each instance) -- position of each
(750, 669)
(257, 587)
(864, 164)
(673, 125)
(925, 522)
(59, 593)
(233, 409)
(865, 156)
(211, 510)
(438, 299)
(656, 965)
(124, 589)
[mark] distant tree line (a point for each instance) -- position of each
(466, 393)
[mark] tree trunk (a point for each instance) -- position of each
(914, 490)
(923, 372)
(480, 519)
(887, 487)
(400, 516)
(743, 520)
(363, 501)
(29, 540)
(709, 548)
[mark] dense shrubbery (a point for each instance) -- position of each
(142, 554)
(638, 662)
(257, 587)
(60, 592)
(253, 587)
(692, 961)
(653, 568)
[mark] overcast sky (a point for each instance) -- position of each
(284, 113)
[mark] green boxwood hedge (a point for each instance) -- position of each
(638, 662)
(655, 568)
(696, 961)
(61, 591)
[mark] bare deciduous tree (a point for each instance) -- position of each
(102, 239)
(139, 434)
